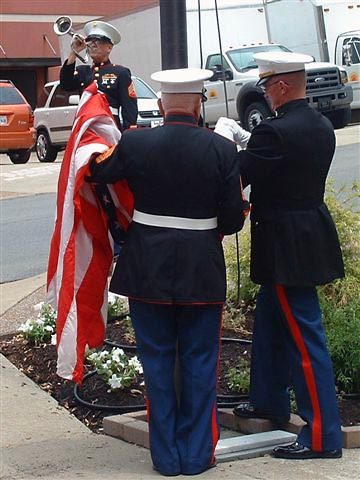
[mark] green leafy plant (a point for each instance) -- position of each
(340, 300)
(129, 333)
(248, 289)
(118, 369)
(117, 305)
(293, 404)
(238, 378)
(42, 328)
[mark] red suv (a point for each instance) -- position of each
(17, 132)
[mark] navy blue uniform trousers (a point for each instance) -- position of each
(183, 435)
(289, 348)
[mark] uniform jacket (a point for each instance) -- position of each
(294, 239)
(114, 80)
(180, 170)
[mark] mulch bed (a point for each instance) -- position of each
(39, 364)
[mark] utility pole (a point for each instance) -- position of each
(174, 55)
(173, 34)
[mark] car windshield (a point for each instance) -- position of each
(10, 96)
(243, 58)
(142, 90)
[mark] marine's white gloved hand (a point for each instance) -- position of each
(228, 128)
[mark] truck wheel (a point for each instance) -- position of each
(254, 114)
(19, 156)
(45, 151)
(340, 118)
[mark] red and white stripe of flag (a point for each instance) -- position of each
(81, 249)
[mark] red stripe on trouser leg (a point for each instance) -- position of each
(214, 423)
(147, 403)
(215, 431)
(316, 432)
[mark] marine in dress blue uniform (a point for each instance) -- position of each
(114, 80)
(186, 186)
(294, 248)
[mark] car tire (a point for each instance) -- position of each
(254, 114)
(45, 151)
(19, 156)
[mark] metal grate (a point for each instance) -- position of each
(150, 114)
(320, 79)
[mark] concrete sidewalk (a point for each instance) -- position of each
(40, 440)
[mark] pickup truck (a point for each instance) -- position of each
(327, 89)
(347, 54)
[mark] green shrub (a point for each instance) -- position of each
(238, 378)
(248, 289)
(340, 300)
(343, 336)
(117, 305)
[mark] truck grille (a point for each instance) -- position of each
(320, 79)
(150, 114)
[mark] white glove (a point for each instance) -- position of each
(229, 129)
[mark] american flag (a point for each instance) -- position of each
(81, 249)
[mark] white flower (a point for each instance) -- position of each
(49, 328)
(134, 362)
(38, 306)
(114, 381)
(93, 356)
(117, 352)
(53, 339)
(39, 321)
(112, 298)
(27, 326)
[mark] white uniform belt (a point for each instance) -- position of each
(174, 222)
(114, 111)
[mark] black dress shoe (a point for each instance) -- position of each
(245, 410)
(296, 451)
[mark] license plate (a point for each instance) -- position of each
(324, 103)
(3, 120)
(156, 123)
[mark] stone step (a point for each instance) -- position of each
(252, 445)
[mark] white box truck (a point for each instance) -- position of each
(326, 29)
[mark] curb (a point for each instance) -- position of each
(133, 428)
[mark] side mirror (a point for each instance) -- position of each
(74, 99)
(229, 74)
(221, 74)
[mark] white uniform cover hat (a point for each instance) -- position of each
(182, 80)
(99, 29)
(277, 63)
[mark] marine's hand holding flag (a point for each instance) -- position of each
(230, 129)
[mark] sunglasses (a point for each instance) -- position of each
(101, 40)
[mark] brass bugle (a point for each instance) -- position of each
(63, 26)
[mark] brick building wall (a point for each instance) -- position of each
(29, 48)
